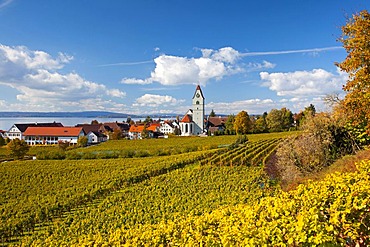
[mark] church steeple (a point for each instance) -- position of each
(198, 110)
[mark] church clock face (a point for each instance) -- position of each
(198, 95)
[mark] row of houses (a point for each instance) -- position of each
(53, 133)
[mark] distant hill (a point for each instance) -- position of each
(83, 114)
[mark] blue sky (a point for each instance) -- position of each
(143, 57)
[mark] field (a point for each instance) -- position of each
(150, 200)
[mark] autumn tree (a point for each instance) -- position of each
(260, 124)
(82, 141)
(94, 122)
(279, 120)
(355, 38)
(242, 124)
(17, 148)
(117, 134)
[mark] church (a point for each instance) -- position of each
(193, 121)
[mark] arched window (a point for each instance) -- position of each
(197, 103)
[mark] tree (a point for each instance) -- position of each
(355, 38)
(116, 134)
(212, 114)
(309, 110)
(279, 120)
(17, 148)
(2, 141)
(94, 122)
(260, 124)
(229, 125)
(148, 119)
(242, 124)
(82, 141)
(177, 131)
(128, 120)
(63, 145)
(145, 133)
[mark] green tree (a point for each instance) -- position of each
(260, 124)
(17, 148)
(309, 110)
(242, 124)
(355, 38)
(177, 131)
(82, 141)
(145, 133)
(229, 125)
(212, 114)
(128, 120)
(148, 119)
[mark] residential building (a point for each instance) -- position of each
(95, 137)
(136, 131)
(52, 135)
(17, 130)
(216, 124)
(167, 127)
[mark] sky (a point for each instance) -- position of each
(147, 56)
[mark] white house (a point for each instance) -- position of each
(193, 121)
(17, 130)
(95, 137)
(167, 127)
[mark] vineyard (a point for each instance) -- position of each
(58, 200)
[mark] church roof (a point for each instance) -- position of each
(200, 90)
(187, 119)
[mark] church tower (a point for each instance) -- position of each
(198, 111)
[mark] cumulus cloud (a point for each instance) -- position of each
(212, 65)
(252, 106)
(303, 83)
(153, 100)
(35, 75)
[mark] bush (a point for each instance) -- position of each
(324, 140)
(51, 155)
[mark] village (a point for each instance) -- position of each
(193, 123)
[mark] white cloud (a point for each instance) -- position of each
(303, 83)
(226, 54)
(4, 3)
(136, 81)
(212, 65)
(252, 106)
(153, 100)
(35, 75)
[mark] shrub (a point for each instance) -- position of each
(51, 155)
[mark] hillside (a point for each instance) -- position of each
(213, 193)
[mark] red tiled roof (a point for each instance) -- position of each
(186, 119)
(153, 127)
(217, 121)
(140, 128)
(53, 131)
(136, 128)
